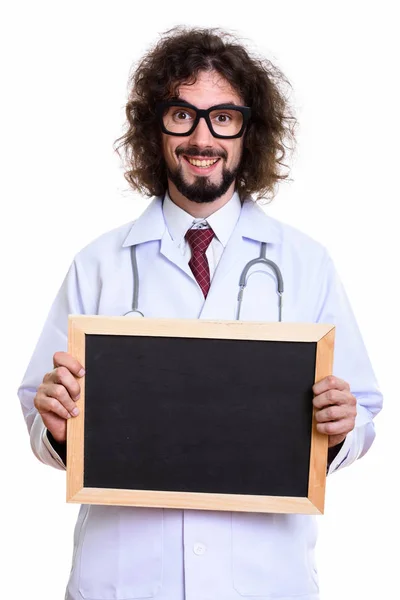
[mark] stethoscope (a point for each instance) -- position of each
(244, 278)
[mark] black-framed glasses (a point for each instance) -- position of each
(226, 121)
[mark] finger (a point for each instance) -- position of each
(62, 376)
(342, 427)
(59, 393)
(63, 359)
(334, 413)
(46, 405)
(332, 397)
(329, 383)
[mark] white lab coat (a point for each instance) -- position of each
(128, 553)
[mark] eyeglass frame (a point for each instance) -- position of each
(205, 114)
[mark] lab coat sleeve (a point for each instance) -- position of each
(73, 298)
(351, 363)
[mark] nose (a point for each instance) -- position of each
(201, 136)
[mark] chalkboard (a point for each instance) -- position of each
(198, 414)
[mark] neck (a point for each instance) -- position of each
(199, 209)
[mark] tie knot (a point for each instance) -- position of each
(199, 239)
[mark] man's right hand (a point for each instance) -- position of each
(57, 394)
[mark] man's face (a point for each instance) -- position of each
(203, 183)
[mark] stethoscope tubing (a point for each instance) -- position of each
(135, 296)
(243, 280)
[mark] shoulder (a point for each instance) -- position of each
(108, 244)
(289, 239)
(298, 241)
(149, 226)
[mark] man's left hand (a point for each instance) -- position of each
(336, 409)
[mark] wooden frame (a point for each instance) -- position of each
(321, 334)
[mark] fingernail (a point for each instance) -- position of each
(77, 397)
(75, 412)
(81, 373)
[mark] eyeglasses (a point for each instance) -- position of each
(223, 120)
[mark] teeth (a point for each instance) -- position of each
(202, 163)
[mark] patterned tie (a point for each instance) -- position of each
(199, 240)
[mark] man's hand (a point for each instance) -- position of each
(336, 408)
(57, 394)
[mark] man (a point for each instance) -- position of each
(207, 127)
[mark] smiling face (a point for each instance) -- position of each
(202, 169)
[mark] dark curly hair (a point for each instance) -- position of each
(177, 58)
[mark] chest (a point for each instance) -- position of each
(166, 287)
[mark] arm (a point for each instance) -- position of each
(347, 403)
(46, 400)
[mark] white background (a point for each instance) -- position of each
(64, 75)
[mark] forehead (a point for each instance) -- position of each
(209, 89)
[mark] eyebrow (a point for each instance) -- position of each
(180, 99)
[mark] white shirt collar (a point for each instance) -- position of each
(222, 222)
(253, 224)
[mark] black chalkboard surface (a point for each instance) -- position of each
(202, 421)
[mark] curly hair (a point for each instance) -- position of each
(177, 58)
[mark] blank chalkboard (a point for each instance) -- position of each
(198, 414)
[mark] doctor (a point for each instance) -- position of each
(206, 126)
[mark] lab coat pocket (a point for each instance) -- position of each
(272, 555)
(121, 553)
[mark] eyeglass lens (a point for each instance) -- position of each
(223, 121)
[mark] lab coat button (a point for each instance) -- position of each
(199, 549)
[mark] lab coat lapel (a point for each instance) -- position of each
(170, 251)
(150, 226)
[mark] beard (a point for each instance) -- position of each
(202, 190)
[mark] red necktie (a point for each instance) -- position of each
(199, 240)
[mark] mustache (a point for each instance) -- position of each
(206, 153)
